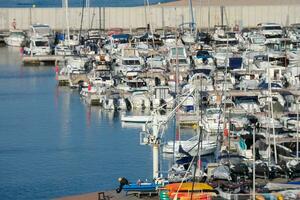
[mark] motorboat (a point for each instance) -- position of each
(178, 55)
(63, 50)
(162, 98)
(41, 30)
(188, 33)
(256, 42)
(37, 46)
(271, 31)
(128, 61)
(222, 37)
(191, 146)
(140, 100)
(223, 82)
(101, 75)
(132, 85)
(140, 118)
(213, 121)
(16, 38)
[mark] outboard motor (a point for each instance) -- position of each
(128, 104)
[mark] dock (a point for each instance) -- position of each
(109, 195)
(37, 59)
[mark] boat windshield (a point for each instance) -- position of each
(131, 62)
(224, 42)
(271, 28)
(258, 40)
(136, 84)
(41, 43)
(213, 111)
(17, 34)
(43, 30)
(180, 61)
(180, 51)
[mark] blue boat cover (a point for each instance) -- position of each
(140, 187)
(121, 36)
(235, 62)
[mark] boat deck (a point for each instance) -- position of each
(39, 59)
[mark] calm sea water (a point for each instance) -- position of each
(77, 3)
(52, 144)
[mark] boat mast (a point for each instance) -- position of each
(67, 20)
(297, 146)
(150, 23)
(192, 14)
(272, 114)
(253, 171)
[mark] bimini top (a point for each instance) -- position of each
(268, 24)
(40, 25)
(121, 36)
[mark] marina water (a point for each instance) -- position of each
(52, 144)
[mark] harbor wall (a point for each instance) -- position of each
(158, 16)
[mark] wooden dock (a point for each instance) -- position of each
(111, 195)
(42, 59)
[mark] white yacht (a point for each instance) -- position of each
(128, 61)
(16, 38)
(271, 31)
(42, 30)
(256, 42)
(179, 53)
(162, 98)
(37, 46)
(213, 120)
(191, 146)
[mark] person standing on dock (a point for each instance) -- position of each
(14, 24)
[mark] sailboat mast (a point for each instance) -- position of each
(297, 146)
(67, 19)
(272, 114)
(253, 171)
(192, 14)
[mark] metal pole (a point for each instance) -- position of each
(222, 15)
(272, 115)
(99, 12)
(297, 147)
(253, 174)
(191, 12)
(104, 18)
(208, 2)
(145, 10)
(150, 22)
(155, 147)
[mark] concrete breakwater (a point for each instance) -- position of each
(157, 15)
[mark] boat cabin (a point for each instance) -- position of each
(37, 46)
(41, 30)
